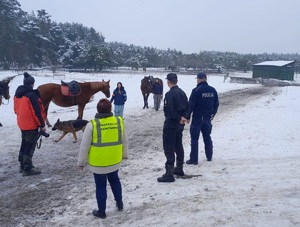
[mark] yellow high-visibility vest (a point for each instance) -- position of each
(106, 148)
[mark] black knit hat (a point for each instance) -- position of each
(28, 79)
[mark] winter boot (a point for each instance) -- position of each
(21, 169)
(119, 205)
(178, 170)
(168, 176)
(209, 152)
(99, 214)
(32, 171)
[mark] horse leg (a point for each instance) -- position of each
(144, 101)
(48, 123)
(46, 112)
(145, 96)
(147, 104)
(80, 111)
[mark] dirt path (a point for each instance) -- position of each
(61, 191)
(149, 124)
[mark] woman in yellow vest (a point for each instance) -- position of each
(101, 151)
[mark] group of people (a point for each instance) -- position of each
(104, 145)
(202, 106)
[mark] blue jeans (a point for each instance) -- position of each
(118, 110)
(203, 125)
(101, 192)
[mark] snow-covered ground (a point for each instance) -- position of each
(253, 179)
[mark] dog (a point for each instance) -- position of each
(71, 126)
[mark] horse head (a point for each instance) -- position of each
(106, 88)
(4, 89)
(146, 85)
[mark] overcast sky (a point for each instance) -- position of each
(242, 26)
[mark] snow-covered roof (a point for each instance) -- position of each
(275, 63)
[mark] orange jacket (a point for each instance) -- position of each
(29, 108)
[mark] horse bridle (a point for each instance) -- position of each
(1, 90)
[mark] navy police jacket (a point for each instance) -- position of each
(204, 101)
(175, 106)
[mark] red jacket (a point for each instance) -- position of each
(29, 108)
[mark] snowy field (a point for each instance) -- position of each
(131, 81)
(253, 179)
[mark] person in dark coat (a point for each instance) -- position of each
(176, 110)
(31, 116)
(204, 103)
(157, 94)
(119, 97)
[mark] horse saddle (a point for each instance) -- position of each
(71, 88)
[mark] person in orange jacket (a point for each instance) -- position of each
(31, 116)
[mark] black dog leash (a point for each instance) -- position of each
(39, 138)
(39, 142)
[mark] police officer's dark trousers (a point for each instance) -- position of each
(172, 144)
(203, 125)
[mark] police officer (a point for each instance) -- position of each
(204, 105)
(176, 111)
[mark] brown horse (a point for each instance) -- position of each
(146, 88)
(52, 92)
(4, 89)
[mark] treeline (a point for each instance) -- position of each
(30, 40)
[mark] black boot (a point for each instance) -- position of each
(20, 159)
(178, 170)
(32, 171)
(99, 214)
(209, 151)
(28, 167)
(168, 176)
(119, 205)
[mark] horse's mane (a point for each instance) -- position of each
(7, 79)
(94, 85)
(3, 84)
(4, 88)
(150, 80)
(97, 85)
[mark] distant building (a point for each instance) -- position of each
(281, 70)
